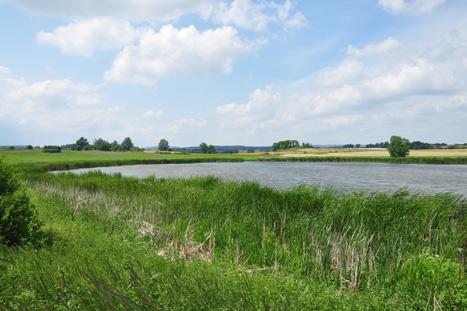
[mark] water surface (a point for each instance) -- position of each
(424, 178)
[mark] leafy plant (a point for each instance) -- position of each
(398, 147)
(51, 149)
(433, 281)
(18, 220)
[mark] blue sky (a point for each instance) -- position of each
(232, 72)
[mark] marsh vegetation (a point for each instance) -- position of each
(121, 243)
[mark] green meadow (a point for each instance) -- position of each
(121, 243)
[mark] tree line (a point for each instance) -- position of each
(103, 145)
(289, 144)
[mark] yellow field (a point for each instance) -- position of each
(377, 152)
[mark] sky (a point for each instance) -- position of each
(227, 72)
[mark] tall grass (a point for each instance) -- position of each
(355, 240)
(127, 243)
(124, 243)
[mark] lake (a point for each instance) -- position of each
(423, 178)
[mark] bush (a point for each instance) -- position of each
(52, 149)
(18, 221)
(398, 147)
(433, 281)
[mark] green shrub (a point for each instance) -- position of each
(52, 149)
(433, 282)
(398, 147)
(18, 221)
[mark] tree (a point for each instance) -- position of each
(114, 146)
(51, 149)
(29, 147)
(398, 147)
(203, 147)
(127, 144)
(163, 145)
(101, 144)
(81, 144)
(211, 149)
(285, 144)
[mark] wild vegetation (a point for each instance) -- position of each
(124, 243)
(205, 148)
(82, 144)
(50, 149)
(398, 147)
(285, 144)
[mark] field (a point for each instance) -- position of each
(118, 243)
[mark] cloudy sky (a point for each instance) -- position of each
(232, 71)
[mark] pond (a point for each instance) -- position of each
(345, 176)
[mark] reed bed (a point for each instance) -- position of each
(123, 243)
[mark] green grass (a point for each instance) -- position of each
(123, 243)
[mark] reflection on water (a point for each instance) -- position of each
(346, 176)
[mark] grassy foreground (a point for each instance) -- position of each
(121, 243)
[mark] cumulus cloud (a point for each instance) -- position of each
(132, 10)
(147, 55)
(374, 87)
(54, 104)
(186, 125)
(85, 37)
(4, 71)
(153, 114)
(378, 48)
(410, 6)
(250, 14)
(258, 15)
(178, 52)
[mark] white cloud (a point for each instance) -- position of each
(250, 14)
(410, 6)
(86, 36)
(178, 52)
(153, 114)
(51, 105)
(378, 48)
(133, 10)
(4, 71)
(186, 125)
(378, 87)
(258, 15)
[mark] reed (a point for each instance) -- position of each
(126, 243)
(122, 243)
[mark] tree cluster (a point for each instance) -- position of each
(51, 149)
(205, 148)
(103, 145)
(378, 145)
(285, 144)
(347, 146)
